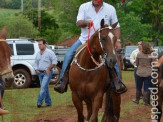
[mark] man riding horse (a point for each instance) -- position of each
(89, 15)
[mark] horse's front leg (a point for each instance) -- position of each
(96, 106)
(89, 109)
(79, 106)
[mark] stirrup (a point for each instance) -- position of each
(61, 89)
(118, 92)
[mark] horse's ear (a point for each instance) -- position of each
(102, 23)
(114, 25)
(3, 33)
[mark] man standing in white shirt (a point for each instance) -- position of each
(133, 61)
(90, 12)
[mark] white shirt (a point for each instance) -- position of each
(87, 12)
(43, 61)
(133, 57)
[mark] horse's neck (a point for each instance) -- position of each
(85, 59)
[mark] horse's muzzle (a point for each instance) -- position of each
(8, 79)
(111, 61)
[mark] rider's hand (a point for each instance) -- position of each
(117, 46)
(89, 23)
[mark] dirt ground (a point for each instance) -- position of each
(129, 112)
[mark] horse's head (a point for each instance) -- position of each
(6, 73)
(106, 43)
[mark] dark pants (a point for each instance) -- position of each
(135, 75)
(145, 80)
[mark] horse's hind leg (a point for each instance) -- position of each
(89, 109)
(79, 106)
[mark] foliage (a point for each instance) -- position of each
(48, 25)
(17, 26)
(153, 14)
(12, 4)
(131, 27)
(139, 19)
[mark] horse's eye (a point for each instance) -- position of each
(103, 39)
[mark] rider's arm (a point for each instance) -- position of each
(117, 33)
(81, 22)
(118, 43)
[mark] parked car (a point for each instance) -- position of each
(159, 50)
(126, 58)
(22, 61)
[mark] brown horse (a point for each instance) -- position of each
(88, 73)
(6, 73)
(160, 87)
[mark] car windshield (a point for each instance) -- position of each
(129, 50)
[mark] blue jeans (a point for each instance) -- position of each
(69, 56)
(135, 76)
(116, 67)
(44, 91)
(145, 80)
(117, 71)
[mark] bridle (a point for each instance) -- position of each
(99, 37)
(102, 58)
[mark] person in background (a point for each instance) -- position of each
(2, 111)
(133, 62)
(144, 70)
(45, 61)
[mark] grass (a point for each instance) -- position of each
(22, 102)
(5, 14)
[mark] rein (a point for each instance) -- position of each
(94, 60)
(97, 67)
(92, 25)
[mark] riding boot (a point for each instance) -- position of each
(63, 84)
(2, 111)
(117, 85)
(136, 100)
(146, 98)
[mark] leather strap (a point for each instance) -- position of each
(2, 40)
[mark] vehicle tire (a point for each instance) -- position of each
(22, 79)
(56, 76)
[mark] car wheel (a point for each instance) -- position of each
(56, 76)
(22, 79)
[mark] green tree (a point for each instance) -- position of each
(153, 14)
(131, 27)
(48, 24)
(19, 26)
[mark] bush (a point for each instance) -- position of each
(19, 26)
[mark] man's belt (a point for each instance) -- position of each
(41, 71)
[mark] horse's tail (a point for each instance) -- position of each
(112, 107)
